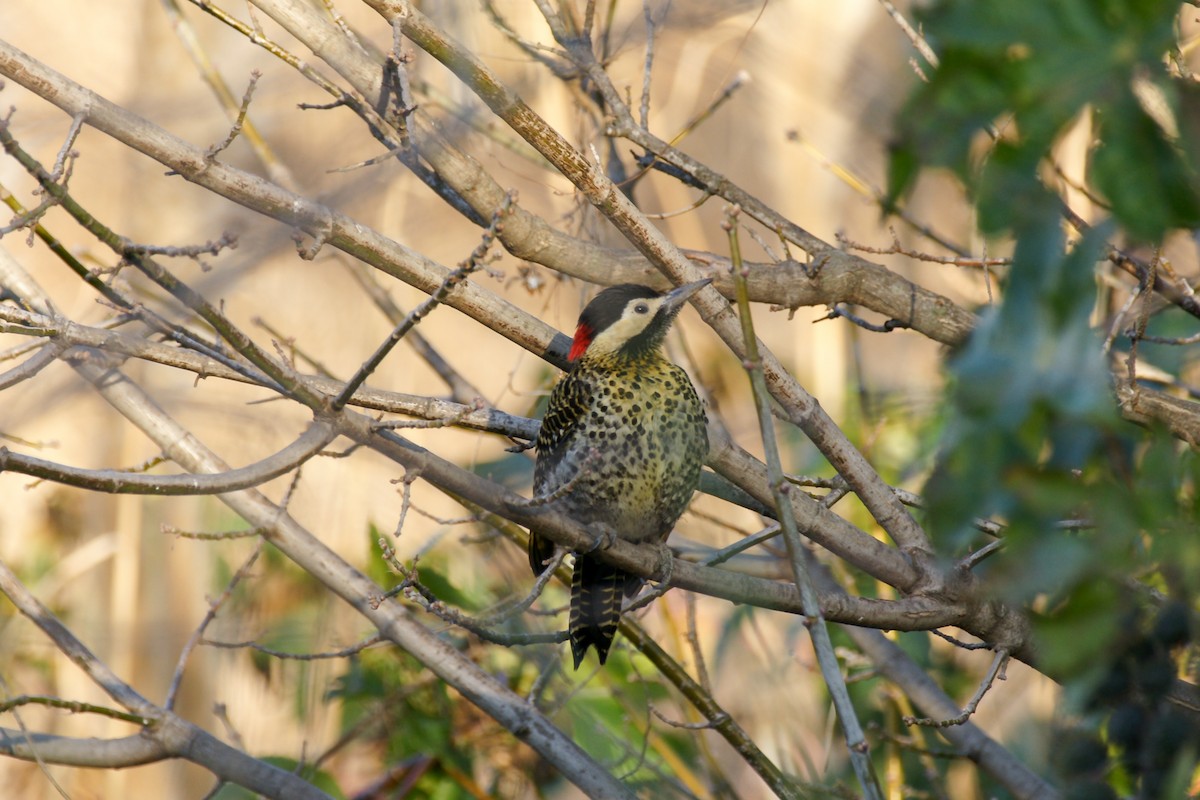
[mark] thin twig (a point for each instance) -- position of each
(973, 559)
(1118, 321)
(34, 749)
(856, 743)
(462, 389)
(426, 424)
(837, 310)
(914, 36)
(726, 553)
(296, 352)
(457, 276)
(64, 152)
(644, 107)
(210, 536)
(996, 672)
(410, 477)
(345, 652)
(239, 121)
(1173, 340)
(213, 607)
(693, 639)
(707, 724)
(74, 706)
(896, 248)
(1147, 281)
(960, 643)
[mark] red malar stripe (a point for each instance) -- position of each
(583, 337)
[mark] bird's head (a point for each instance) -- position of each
(629, 319)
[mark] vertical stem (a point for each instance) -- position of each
(860, 755)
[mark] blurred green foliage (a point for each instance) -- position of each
(1030, 69)
(1032, 435)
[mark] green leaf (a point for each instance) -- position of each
(1148, 181)
(376, 568)
(1031, 69)
(431, 575)
(1076, 637)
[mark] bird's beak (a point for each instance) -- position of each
(675, 298)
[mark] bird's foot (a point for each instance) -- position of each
(662, 579)
(665, 568)
(605, 536)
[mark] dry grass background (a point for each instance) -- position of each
(834, 72)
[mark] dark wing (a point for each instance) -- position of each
(569, 404)
(570, 401)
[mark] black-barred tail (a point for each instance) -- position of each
(597, 590)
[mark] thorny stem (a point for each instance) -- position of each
(860, 757)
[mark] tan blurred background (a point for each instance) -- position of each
(834, 73)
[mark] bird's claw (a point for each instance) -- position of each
(665, 568)
(605, 536)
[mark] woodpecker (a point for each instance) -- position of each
(620, 447)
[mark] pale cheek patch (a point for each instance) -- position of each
(628, 326)
(620, 332)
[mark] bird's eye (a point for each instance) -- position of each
(641, 308)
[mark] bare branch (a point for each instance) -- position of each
(841, 278)
(253, 192)
(130, 751)
(317, 436)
